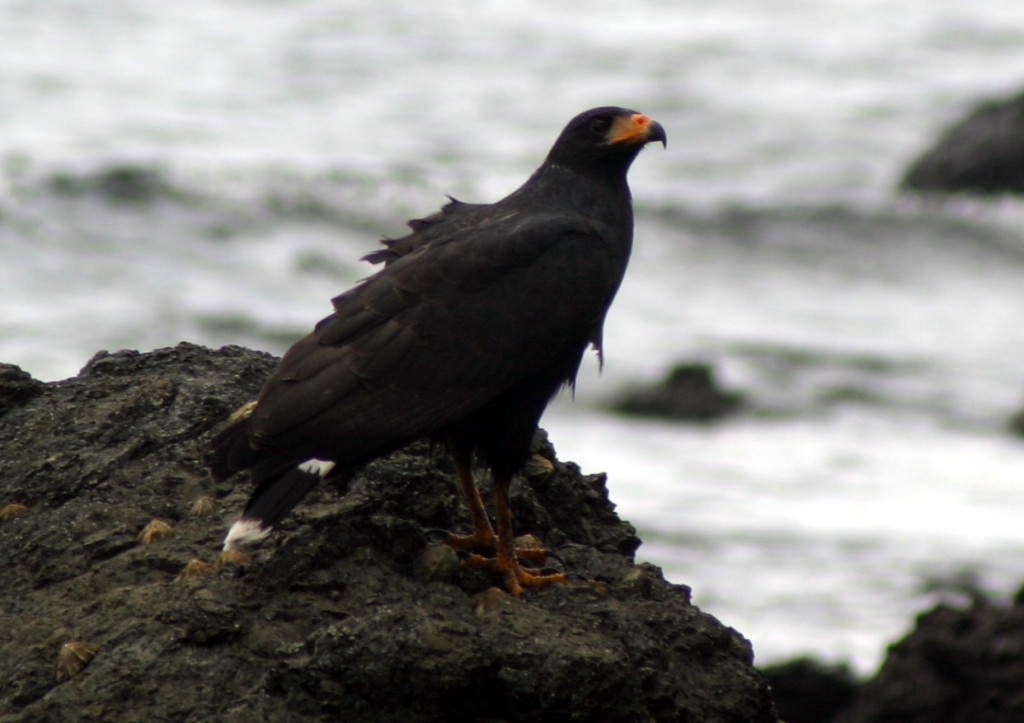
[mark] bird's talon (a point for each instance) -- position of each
(485, 547)
(552, 555)
(472, 543)
(526, 563)
(530, 579)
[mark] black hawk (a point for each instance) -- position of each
(476, 320)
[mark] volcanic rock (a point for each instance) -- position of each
(961, 663)
(981, 154)
(345, 612)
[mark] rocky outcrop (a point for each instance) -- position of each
(981, 154)
(1016, 423)
(959, 664)
(962, 663)
(347, 612)
(689, 392)
(808, 691)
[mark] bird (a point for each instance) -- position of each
(473, 323)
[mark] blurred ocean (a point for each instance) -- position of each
(212, 171)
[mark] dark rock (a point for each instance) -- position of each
(333, 618)
(981, 154)
(808, 691)
(961, 664)
(118, 184)
(1016, 423)
(689, 392)
(16, 386)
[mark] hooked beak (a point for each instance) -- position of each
(636, 128)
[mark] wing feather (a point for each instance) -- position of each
(439, 332)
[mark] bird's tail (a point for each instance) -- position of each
(281, 482)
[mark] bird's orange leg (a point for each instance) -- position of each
(516, 578)
(482, 537)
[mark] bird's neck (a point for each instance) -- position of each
(605, 195)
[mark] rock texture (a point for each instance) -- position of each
(807, 691)
(961, 664)
(981, 154)
(348, 612)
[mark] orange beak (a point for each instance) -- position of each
(636, 128)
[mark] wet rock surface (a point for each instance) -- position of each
(347, 612)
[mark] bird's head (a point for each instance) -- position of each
(607, 139)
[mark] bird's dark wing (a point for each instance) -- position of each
(427, 229)
(441, 331)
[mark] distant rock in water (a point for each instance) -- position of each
(808, 691)
(981, 154)
(959, 664)
(689, 392)
(962, 662)
(1016, 423)
(113, 608)
(121, 183)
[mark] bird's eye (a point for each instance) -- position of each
(600, 125)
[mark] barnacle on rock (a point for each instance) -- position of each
(194, 569)
(10, 510)
(538, 466)
(73, 656)
(438, 562)
(156, 529)
(236, 556)
(204, 506)
(490, 601)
